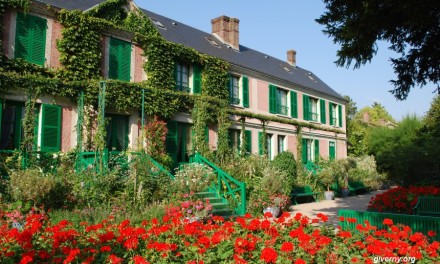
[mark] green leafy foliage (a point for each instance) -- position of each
(285, 161)
(411, 28)
(396, 153)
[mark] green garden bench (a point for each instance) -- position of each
(303, 191)
(428, 206)
(355, 186)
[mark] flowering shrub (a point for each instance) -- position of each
(288, 239)
(400, 200)
(192, 207)
(193, 177)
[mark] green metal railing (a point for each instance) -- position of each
(91, 160)
(417, 223)
(226, 187)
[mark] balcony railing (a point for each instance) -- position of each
(313, 116)
(282, 110)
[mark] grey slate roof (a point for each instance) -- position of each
(72, 4)
(248, 58)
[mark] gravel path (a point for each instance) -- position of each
(331, 208)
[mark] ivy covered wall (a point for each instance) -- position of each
(81, 57)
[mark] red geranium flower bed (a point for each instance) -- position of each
(289, 239)
(400, 200)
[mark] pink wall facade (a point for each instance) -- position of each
(323, 148)
(263, 96)
(55, 54)
(66, 128)
(138, 64)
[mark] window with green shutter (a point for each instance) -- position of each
(304, 147)
(181, 71)
(30, 38)
(119, 67)
(245, 90)
(248, 138)
(234, 90)
(197, 79)
(333, 115)
(171, 141)
(322, 111)
(332, 150)
(234, 139)
(316, 156)
(306, 107)
(272, 99)
(293, 104)
(340, 115)
(50, 128)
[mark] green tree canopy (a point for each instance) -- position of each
(412, 27)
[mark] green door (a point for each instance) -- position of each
(178, 142)
(117, 133)
(332, 150)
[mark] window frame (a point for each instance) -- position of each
(282, 145)
(234, 100)
(179, 77)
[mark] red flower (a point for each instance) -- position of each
(432, 233)
(269, 255)
(300, 261)
(106, 249)
(26, 259)
(287, 247)
(113, 259)
(139, 260)
(388, 222)
(323, 217)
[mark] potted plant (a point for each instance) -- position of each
(343, 168)
(327, 177)
(277, 203)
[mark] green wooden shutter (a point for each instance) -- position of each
(293, 104)
(231, 96)
(272, 99)
(340, 115)
(51, 128)
(119, 60)
(197, 79)
(306, 107)
(113, 67)
(304, 150)
(316, 150)
(38, 40)
(332, 150)
(22, 36)
(245, 89)
(125, 61)
(323, 112)
(171, 141)
(248, 137)
(260, 146)
(332, 113)
(30, 38)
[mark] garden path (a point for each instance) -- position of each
(331, 208)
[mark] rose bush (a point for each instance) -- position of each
(288, 239)
(400, 200)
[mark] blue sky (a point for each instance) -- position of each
(273, 27)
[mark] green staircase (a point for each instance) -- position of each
(227, 195)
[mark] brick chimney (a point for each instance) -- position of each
(226, 28)
(291, 57)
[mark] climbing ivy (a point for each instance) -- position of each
(81, 57)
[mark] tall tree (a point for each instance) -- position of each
(412, 27)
